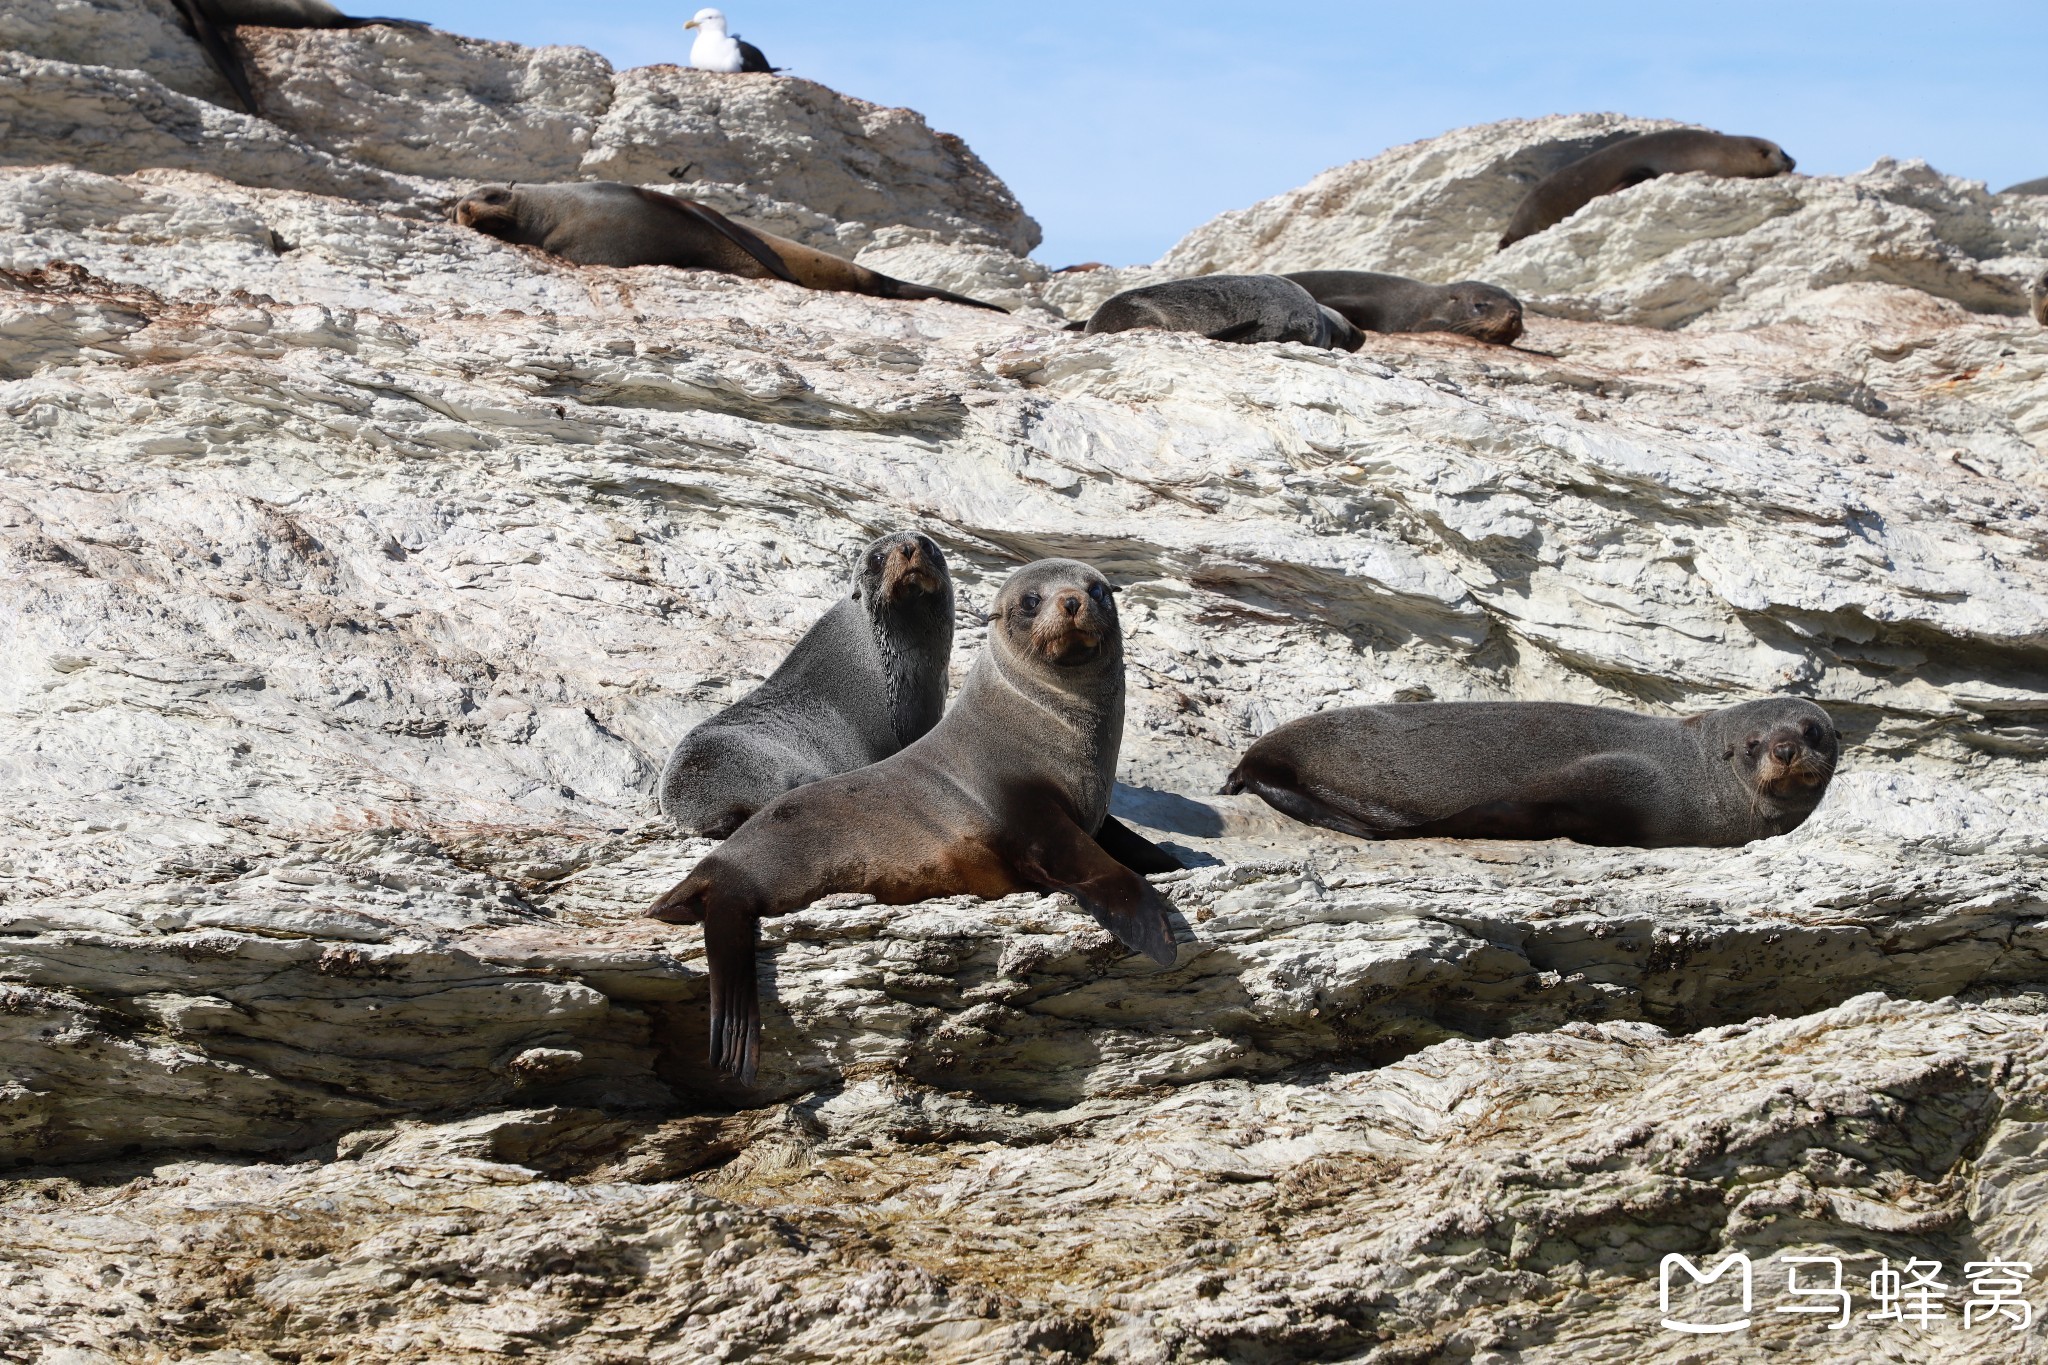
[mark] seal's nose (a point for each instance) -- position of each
(1785, 751)
(1071, 604)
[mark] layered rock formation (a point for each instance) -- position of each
(358, 571)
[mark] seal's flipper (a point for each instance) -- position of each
(1235, 332)
(1133, 849)
(1062, 857)
(893, 288)
(1080, 326)
(219, 51)
(740, 237)
(1307, 809)
(731, 941)
(682, 903)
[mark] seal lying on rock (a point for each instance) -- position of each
(2028, 187)
(1547, 770)
(602, 222)
(1392, 303)
(1632, 161)
(213, 21)
(1227, 308)
(867, 679)
(1009, 792)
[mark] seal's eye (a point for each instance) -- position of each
(1029, 603)
(1751, 747)
(1812, 731)
(1100, 592)
(876, 559)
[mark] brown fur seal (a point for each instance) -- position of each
(868, 678)
(602, 222)
(1244, 308)
(1545, 770)
(1009, 792)
(1632, 161)
(213, 22)
(2028, 187)
(1392, 303)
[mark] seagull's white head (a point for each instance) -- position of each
(710, 20)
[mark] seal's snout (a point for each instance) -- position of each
(1793, 759)
(1070, 603)
(1785, 750)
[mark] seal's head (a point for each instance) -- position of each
(1483, 312)
(1784, 749)
(491, 210)
(1059, 614)
(1766, 158)
(901, 568)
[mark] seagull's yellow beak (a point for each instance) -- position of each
(691, 24)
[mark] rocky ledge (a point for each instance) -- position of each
(357, 572)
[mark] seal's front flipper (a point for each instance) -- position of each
(1061, 856)
(746, 239)
(219, 51)
(1235, 332)
(1133, 849)
(731, 942)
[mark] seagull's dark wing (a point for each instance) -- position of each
(751, 58)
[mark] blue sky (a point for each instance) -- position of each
(1122, 126)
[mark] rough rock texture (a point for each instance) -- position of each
(357, 571)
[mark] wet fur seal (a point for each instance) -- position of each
(1393, 303)
(1243, 308)
(1008, 792)
(1546, 770)
(602, 222)
(213, 23)
(868, 678)
(1632, 161)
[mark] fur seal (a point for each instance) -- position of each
(868, 678)
(1244, 308)
(1009, 792)
(1545, 770)
(2037, 294)
(1393, 303)
(715, 50)
(2028, 187)
(1632, 161)
(213, 22)
(602, 222)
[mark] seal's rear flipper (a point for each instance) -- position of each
(219, 51)
(1235, 332)
(1133, 849)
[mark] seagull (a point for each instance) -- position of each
(715, 51)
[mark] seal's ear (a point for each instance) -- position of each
(1729, 752)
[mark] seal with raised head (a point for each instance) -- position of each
(213, 23)
(1393, 303)
(1633, 160)
(1009, 792)
(1548, 770)
(1243, 308)
(866, 679)
(602, 222)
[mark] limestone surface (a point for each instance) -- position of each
(357, 571)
